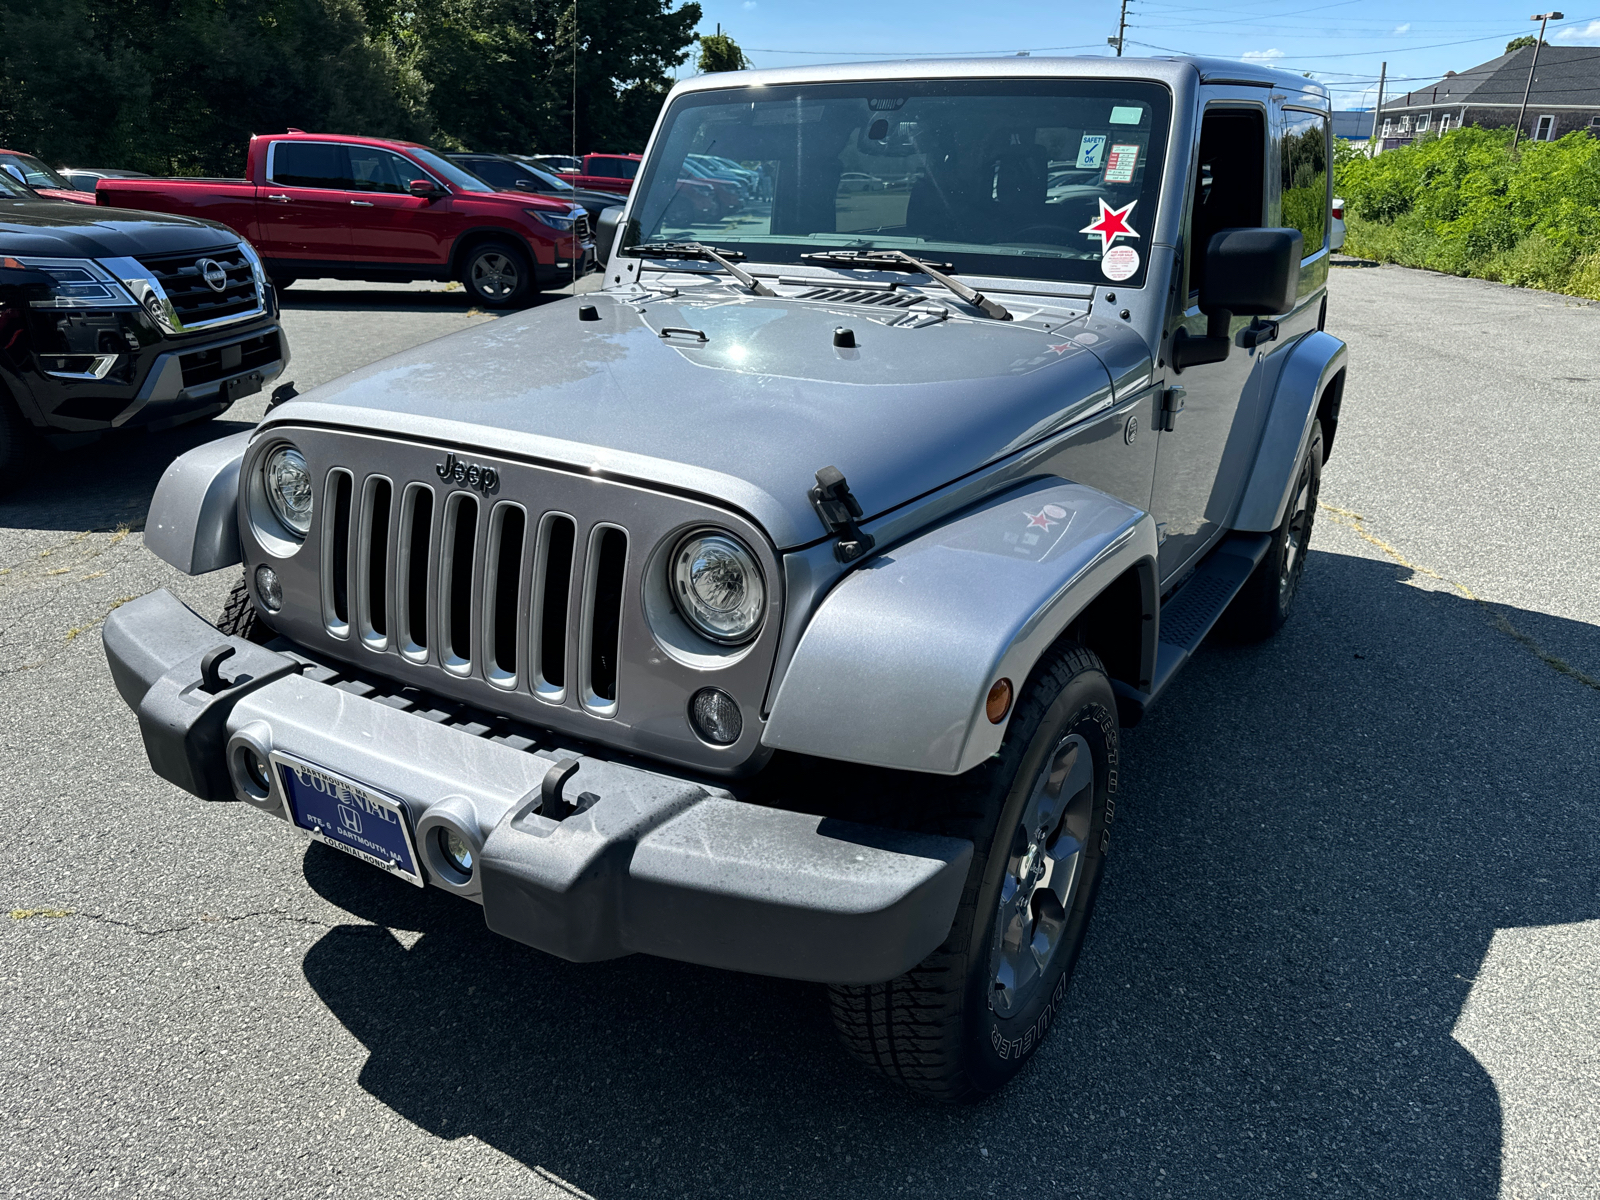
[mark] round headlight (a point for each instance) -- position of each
(717, 586)
(288, 482)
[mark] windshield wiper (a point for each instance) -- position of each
(708, 254)
(892, 260)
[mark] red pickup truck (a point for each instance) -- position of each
(338, 207)
(698, 201)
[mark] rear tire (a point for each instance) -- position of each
(1263, 605)
(963, 1022)
(499, 275)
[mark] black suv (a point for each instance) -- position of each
(113, 319)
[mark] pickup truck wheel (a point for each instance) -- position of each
(1263, 604)
(499, 275)
(241, 619)
(963, 1022)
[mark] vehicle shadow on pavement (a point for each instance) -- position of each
(1317, 839)
(107, 483)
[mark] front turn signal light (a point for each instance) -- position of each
(999, 702)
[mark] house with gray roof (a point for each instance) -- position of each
(1565, 97)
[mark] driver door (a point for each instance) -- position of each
(1200, 463)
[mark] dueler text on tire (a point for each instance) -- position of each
(1264, 603)
(498, 274)
(962, 1022)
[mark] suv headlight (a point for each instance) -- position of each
(560, 221)
(288, 488)
(78, 283)
(717, 586)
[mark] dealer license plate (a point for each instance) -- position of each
(349, 816)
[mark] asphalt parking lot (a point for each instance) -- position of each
(1348, 944)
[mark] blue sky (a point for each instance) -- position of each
(1342, 42)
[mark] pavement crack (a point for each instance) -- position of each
(23, 914)
(1356, 522)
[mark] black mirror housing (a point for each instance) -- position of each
(1252, 272)
(605, 236)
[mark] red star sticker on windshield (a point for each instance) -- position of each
(1038, 518)
(1111, 224)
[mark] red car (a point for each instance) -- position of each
(25, 168)
(698, 201)
(339, 207)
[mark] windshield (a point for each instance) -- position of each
(553, 182)
(454, 175)
(1043, 179)
(10, 187)
(34, 172)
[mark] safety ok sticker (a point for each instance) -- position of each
(1120, 163)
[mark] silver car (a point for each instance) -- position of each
(779, 606)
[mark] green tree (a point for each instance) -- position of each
(719, 52)
(1517, 43)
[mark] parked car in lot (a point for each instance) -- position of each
(337, 207)
(565, 163)
(85, 179)
(607, 172)
(507, 173)
(778, 607)
(123, 320)
(30, 171)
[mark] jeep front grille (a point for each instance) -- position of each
(193, 300)
(468, 591)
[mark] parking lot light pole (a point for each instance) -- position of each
(1543, 19)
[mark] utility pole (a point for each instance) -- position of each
(1122, 28)
(1543, 19)
(1383, 75)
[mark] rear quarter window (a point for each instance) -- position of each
(1304, 162)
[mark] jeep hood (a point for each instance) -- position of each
(736, 397)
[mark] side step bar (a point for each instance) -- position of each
(1191, 613)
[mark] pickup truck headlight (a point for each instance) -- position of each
(563, 222)
(717, 586)
(288, 487)
(78, 283)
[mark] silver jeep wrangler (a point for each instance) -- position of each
(777, 607)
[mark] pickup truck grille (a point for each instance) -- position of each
(193, 299)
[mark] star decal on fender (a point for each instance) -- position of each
(1111, 224)
(1039, 518)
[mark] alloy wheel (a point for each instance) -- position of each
(494, 276)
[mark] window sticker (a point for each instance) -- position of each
(1126, 116)
(1119, 263)
(1111, 224)
(1092, 152)
(1120, 164)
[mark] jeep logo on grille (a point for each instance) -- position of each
(213, 272)
(472, 475)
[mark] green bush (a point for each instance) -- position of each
(1466, 204)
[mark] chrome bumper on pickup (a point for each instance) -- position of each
(576, 855)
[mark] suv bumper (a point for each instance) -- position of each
(635, 860)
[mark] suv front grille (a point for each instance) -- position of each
(478, 586)
(580, 227)
(194, 300)
(208, 366)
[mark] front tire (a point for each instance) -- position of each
(498, 275)
(1263, 605)
(241, 618)
(963, 1022)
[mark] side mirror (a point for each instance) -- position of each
(524, 184)
(424, 188)
(1249, 272)
(606, 235)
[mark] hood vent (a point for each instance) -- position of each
(880, 297)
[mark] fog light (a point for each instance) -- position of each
(268, 588)
(716, 716)
(456, 849)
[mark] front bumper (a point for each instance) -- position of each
(577, 855)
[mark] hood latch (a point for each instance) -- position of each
(840, 511)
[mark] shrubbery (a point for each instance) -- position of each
(1466, 204)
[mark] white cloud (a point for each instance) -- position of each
(749, 4)
(1263, 55)
(1399, 29)
(1589, 33)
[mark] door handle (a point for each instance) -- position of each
(362, 203)
(280, 198)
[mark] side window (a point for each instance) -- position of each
(627, 168)
(496, 172)
(1230, 187)
(375, 170)
(309, 165)
(601, 167)
(1303, 155)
